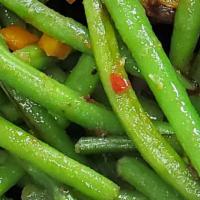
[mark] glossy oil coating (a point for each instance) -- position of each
(66, 30)
(55, 96)
(54, 163)
(155, 150)
(145, 180)
(185, 33)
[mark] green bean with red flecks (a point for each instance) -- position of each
(152, 146)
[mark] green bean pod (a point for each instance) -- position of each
(152, 146)
(54, 163)
(34, 56)
(55, 190)
(117, 144)
(33, 192)
(50, 22)
(8, 18)
(9, 174)
(131, 195)
(145, 180)
(55, 96)
(185, 34)
(159, 73)
(84, 68)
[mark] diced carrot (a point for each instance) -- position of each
(17, 37)
(53, 47)
(70, 1)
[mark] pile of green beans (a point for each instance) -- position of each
(114, 120)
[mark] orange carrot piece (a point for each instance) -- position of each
(17, 37)
(53, 47)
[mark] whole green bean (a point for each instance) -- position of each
(55, 96)
(50, 22)
(152, 146)
(44, 125)
(84, 68)
(34, 56)
(9, 174)
(145, 180)
(159, 74)
(131, 195)
(115, 144)
(62, 28)
(185, 34)
(54, 189)
(54, 163)
(8, 18)
(33, 192)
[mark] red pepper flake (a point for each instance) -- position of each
(119, 84)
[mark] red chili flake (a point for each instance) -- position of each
(119, 84)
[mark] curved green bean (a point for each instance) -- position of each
(145, 180)
(56, 73)
(50, 22)
(185, 34)
(159, 74)
(54, 163)
(55, 96)
(152, 146)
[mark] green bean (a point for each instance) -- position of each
(54, 189)
(7, 109)
(34, 56)
(115, 144)
(8, 18)
(159, 74)
(44, 125)
(131, 195)
(62, 28)
(56, 73)
(145, 180)
(152, 146)
(151, 108)
(185, 34)
(55, 96)
(33, 192)
(54, 163)
(50, 22)
(84, 68)
(9, 174)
